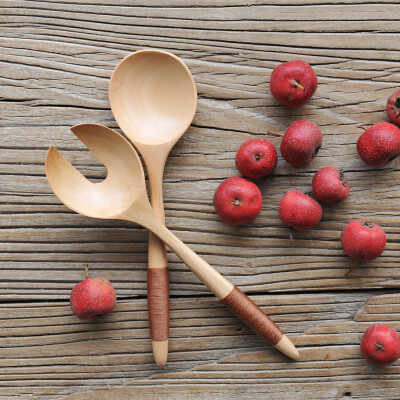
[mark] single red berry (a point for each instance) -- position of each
(237, 201)
(393, 108)
(256, 158)
(379, 144)
(293, 83)
(92, 297)
(299, 211)
(330, 186)
(301, 143)
(363, 241)
(380, 345)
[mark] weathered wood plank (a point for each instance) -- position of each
(48, 353)
(55, 70)
(55, 60)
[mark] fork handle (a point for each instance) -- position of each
(249, 313)
(244, 308)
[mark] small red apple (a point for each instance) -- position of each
(330, 186)
(301, 142)
(92, 297)
(379, 144)
(293, 83)
(237, 201)
(380, 345)
(363, 241)
(299, 211)
(393, 108)
(256, 158)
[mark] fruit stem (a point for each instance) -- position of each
(86, 271)
(297, 84)
(363, 127)
(351, 269)
(342, 178)
(378, 346)
(275, 133)
(367, 224)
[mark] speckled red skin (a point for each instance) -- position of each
(380, 345)
(330, 186)
(237, 201)
(301, 143)
(256, 158)
(363, 241)
(393, 108)
(379, 144)
(299, 211)
(92, 297)
(282, 81)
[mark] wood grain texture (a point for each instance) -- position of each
(56, 59)
(49, 354)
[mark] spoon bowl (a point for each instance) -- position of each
(153, 97)
(122, 195)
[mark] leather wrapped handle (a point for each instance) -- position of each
(249, 313)
(158, 302)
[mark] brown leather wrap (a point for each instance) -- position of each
(248, 312)
(158, 302)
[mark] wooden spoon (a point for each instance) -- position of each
(153, 98)
(122, 196)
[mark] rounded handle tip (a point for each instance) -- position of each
(286, 347)
(160, 351)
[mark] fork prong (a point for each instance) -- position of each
(57, 166)
(107, 145)
(65, 180)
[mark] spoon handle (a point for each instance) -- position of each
(158, 298)
(157, 270)
(232, 297)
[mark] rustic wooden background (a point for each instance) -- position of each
(56, 60)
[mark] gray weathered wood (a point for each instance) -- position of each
(55, 61)
(48, 353)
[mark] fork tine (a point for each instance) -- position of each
(65, 180)
(107, 145)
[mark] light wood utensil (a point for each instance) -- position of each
(122, 196)
(153, 98)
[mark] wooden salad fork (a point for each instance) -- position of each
(122, 196)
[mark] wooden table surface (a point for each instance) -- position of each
(56, 60)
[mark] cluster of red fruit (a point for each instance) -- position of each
(238, 201)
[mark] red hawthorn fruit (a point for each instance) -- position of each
(330, 186)
(301, 142)
(92, 297)
(299, 211)
(393, 108)
(293, 83)
(363, 241)
(380, 345)
(379, 144)
(237, 201)
(256, 158)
